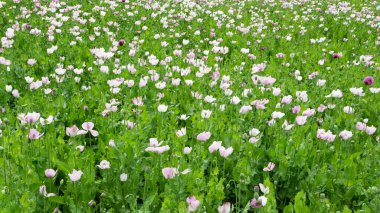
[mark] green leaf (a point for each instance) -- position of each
(288, 208)
(24, 200)
(149, 201)
(57, 199)
(300, 203)
(346, 210)
(247, 207)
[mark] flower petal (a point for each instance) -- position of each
(82, 132)
(94, 133)
(88, 125)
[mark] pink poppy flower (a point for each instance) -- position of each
(345, 135)
(259, 202)
(72, 131)
(225, 152)
(308, 112)
(301, 120)
(187, 150)
(159, 149)
(214, 146)
(296, 109)
(130, 124)
(267, 80)
(253, 140)
(204, 136)
(50, 173)
(337, 55)
(322, 108)
(15, 93)
(75, 175)
(216, 75)
(254, 132)
(181, 132)
(270, 167)
(104, 164)
(370, 130)
(245, 109)
(112, 143)
(88, 127)
(325, 135)
(154, 142)
(137, 101)
(31, 61)
(260, 104)
(80, 148)
(34, 134)
(32, 117)
(193, 203)
(42, 190)
(287, 99)
(225, 208)
(123, 177)
(169, 173)
(264, 189)
(360, 126)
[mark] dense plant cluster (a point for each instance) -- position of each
(185, 105)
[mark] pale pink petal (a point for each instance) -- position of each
(94, 133)
(88, 125)
(82, 132)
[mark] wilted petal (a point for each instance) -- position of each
(186, 171)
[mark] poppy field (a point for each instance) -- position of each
(190, 106)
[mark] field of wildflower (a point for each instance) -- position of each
(190, 106)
